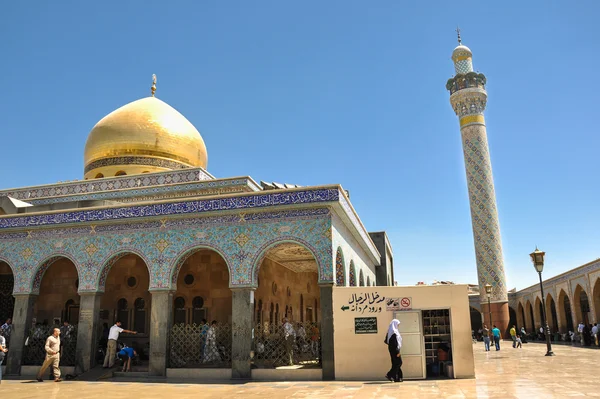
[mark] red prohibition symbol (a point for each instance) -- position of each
(405, 302)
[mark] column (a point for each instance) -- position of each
(87, 331)
(160, 323)
(241, 331)
(327, 355)
(22, 315)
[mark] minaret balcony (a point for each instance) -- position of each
(466, 81)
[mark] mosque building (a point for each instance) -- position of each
(151, 238)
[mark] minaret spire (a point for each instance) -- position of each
(153, 88)
(458, 33)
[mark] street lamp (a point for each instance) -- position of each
(488, 291)
(537, 257)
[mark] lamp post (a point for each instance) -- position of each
(537, 257)
(488, 291)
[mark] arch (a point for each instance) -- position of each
(538, 313)
(565, 317)
(512, 319)
(5, 260)
(185, 254)
(121, 173)
(262, 252)
(582, 305)
(368, 281)
(476, 322)
(551, 316)
(7, 288)
(529, 320)
(520, 316)
(596, 298)
(113, 258)
(99, 176)
(46, 263)
(340, 268)
(352, 282)
(361, 278)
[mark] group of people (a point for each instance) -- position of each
(296, 338)
(588, 334)
(489, 335)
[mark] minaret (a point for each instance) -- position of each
(468, 98)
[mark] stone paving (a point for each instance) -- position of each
(508, 373)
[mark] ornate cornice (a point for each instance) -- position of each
(252, 201)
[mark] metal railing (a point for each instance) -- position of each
(35, 353)
(197, 346)
(277, 345)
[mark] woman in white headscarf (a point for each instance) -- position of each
(394, 341)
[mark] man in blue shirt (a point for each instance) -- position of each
(126, 354)
(496, 333)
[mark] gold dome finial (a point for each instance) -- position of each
(153, 88)
(458, 33)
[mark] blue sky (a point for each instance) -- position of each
(342, 92)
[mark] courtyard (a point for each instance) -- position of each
(509, 373)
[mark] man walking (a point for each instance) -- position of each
(595, 334)
(496, 334)
(3, 351)
(290, 337)
(52, 348)
(513, 335)
(486, 338)
(113, 337)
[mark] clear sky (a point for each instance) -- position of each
(349, 92)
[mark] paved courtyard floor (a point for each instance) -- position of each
(508, 373)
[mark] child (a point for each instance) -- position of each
(519, 342)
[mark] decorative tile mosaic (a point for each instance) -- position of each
(164, 246)
(262, 200)
(352, 282)
(108, 184)
(135, 160)
(482, 197)
(340, 272)
(171, 190)
(360, 255)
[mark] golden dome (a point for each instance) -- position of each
(147, 135)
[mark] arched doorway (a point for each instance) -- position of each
(127, 299)
(582, 305)
(56, 306)
(539, 313)
(551, 314)
(288, 278)
(512, 320)
(596, 296)
(564, 312)
(476, 323)
(7, 301)
(529, 318)
(201, 331)
(520, 316)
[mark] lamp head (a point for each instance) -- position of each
(537, 257)
(488, 289)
